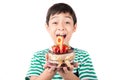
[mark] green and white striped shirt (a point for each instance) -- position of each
(85, 69)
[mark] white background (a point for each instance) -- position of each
(22, 33)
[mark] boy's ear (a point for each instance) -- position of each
(75, 27)
(47, 27)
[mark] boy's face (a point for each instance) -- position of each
(61, 24)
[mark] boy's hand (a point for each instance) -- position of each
(66, 72)
(50, 66)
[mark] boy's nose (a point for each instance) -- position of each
(61, 28)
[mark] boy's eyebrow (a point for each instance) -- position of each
(53, 17)
(68, 17)
(65, 17)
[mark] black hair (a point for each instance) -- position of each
(60, 8)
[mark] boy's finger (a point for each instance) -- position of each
(65, 69)
(45, 65)
(71, 68)
(51, 69)
(75, 65)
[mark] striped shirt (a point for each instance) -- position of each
(84, 70)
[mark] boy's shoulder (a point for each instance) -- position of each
(80, 51)
(82, 54)
(41, 52)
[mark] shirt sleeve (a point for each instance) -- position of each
(36, 66)
(85, 68)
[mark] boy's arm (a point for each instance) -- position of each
(47, 74)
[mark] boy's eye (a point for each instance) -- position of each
(67, 22)
(54, 23)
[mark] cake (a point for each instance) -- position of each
(60, 54)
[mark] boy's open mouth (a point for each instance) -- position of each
(64, 35)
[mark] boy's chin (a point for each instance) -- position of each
(63, 43)
(66, 43)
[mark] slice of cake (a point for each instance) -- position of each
(61, 54)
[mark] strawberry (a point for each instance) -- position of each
(56, 49)
(65, 48)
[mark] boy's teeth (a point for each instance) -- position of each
(61, 35)
(64, 36)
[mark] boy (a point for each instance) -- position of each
(61, 20)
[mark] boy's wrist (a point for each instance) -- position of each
(49, 71)
(70, 76)
(67, 75)
(47, 74)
